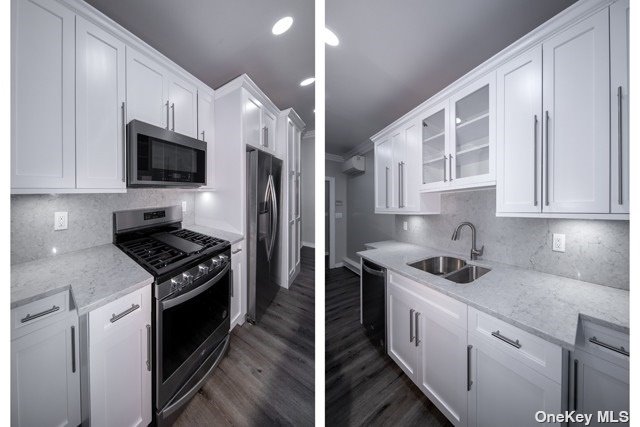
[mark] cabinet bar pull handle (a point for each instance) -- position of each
(450, 170)
(469, 381)
(124, 144)
(444, 168)
(149, 348)
(202, 135)
(535, 160)
(386, 186)
(400, 184)
(411, 336)
(167, 105)
(116, 317)
(509, 341)
(73, 349)
(619, 145)
(575, 384)
(30, 317)
(173, 116)
(416, 323)
(236, 251)
(546, 152)
(620, 349)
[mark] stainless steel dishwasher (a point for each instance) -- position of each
(373, 290)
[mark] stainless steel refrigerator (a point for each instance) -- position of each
(263, 224)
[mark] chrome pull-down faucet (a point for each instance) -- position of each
(474, 252)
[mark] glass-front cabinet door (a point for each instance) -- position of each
(435, 131)
(472, 123)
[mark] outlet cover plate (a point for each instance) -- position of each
(60, 221)
(557, 244)
(405, 225)
(184, 206)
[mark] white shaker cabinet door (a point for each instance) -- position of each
(100, 111)
(269, 131)
(519, 121)
(576, 118)
(384, 194)
(120, 361)
(45, 376)
(206, 133)
(252, 121)
(504, 392)
(43, 99)
(183, 106)
(401, 339)
(619, 16)
(147, 95)
(238, 266)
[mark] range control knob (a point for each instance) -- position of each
(215, 263)
(187, 278)
(176, 284)
(223, 258)
(203, 269)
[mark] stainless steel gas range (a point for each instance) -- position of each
(191, 303)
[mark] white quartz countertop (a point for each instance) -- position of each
(543, 304)
(96, 276)
(216, 232)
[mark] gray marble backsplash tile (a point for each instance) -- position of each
(90, 219)
(596, 251)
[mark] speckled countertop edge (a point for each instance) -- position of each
(543, 304)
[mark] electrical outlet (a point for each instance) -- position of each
(60, 221)
(558, 242)
(338, 215)
(184, 206)
(405, 225)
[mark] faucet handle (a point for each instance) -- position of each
(481, 251)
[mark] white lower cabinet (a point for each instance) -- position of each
(428, 340)
(120, 361)
(45, 371)
(504, 391)
(238, 284)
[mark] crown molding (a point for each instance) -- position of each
(568, 17)
(309, 134)
(360, 149)
(333, 157)
(244, 81)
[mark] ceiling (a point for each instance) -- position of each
(393, 55)
(217, 40)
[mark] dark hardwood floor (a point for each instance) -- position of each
(268, 376)
(364, 386)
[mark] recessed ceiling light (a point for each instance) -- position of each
(282, 25)
(307, 82)
(330, 37)
(458, 120)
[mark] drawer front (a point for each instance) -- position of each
(605, 343)
(533, 351)
(40, 313)
(119, 313)
(443, 306)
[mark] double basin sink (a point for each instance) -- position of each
(451, 268)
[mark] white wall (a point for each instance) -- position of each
(307, 189)
(334, 169)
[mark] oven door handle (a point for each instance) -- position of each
(166, 304)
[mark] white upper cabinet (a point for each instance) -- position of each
(435, 135)
(519, 147)
(252, 117)
(100, 108)
(471, 156)
(384, 175)
(206, 132)
(619, 16)
(147, 95)
(43, 95)
(183, 106)
(575, 104)
(269, 130)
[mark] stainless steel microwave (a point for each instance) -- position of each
(157, 157)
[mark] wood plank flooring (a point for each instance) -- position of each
(267, 378)
(364, 386)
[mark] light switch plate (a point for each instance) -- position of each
(405, 225)
(557, 245)
(60, 221)
(184, 206)
(338, 215)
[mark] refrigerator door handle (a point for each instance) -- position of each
(267, 204)
(274, 216)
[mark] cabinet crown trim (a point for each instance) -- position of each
(566, 18)
(244, 81)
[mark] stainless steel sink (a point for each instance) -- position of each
(467, 274)
(439, 265)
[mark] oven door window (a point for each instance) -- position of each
(187, 325)
(165, 161)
